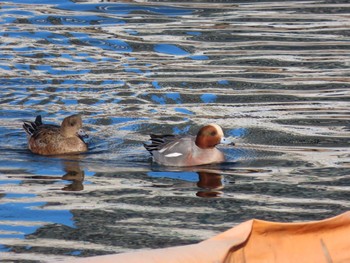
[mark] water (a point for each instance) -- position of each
(274, 75)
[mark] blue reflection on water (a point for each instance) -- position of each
(223, 82)
(168, 97)
(114, 45)
(34, 1)
(186, 176)
(9, 10)
(70, 101)
(131, 32)
(132, 127)
(14, 212)
(158, 99)
(19, 231)
(124, 119)
(184, 111)
(12, 113)
(177, 51)
(125, 9)
(20, 81)
(23, 67)
(156, 84)
(17, 195)
(175, 96)
(5, 67)
(184, 130)
(208, 97)
(33, 35)
(72, 20)
(60, 72)
(75, 253)
(4, 249)
(239, 132)
(194, 33)
(83, 39)
(5, 56)
(21, 208)
(199, 57)
(10, 182)
(133, 70)
(7, 20)
(170, 50)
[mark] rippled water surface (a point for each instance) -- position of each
(274, 75)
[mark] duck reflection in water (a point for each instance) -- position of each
(74, 174)
(211, 183)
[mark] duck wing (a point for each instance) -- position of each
(158, 142)
(33, 128)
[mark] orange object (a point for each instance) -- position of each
(326, 241)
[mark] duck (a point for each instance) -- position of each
(188, 150)
(49, 139)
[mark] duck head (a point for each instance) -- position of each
(211, 135)
(72, 126)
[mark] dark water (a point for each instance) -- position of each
(274, 75)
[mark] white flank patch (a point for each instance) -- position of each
(173, 155)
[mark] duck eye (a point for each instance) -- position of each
(213, 133)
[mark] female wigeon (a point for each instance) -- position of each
(175, 150)
(48, 139)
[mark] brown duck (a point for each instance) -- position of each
(48, 139)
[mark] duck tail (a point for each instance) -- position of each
(30, 127)
(157, 141)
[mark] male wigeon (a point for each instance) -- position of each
(176, 150)
(48, 139)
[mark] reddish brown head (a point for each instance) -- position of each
(209, 136)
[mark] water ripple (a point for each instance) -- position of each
(274, 75)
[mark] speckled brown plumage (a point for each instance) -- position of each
(47, 139)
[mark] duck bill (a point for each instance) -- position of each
(226, 141)
(82, 134)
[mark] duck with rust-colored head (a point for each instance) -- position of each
(48, 139)
(175, 150)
